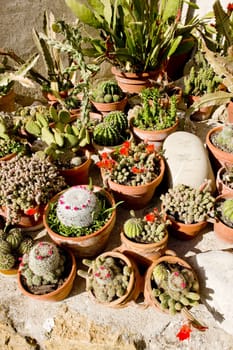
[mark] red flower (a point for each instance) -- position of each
(150, 148)
(184, 332)
(106, 163)
(31, 211)
(150, 217)
(230, 7)
(124, 151)
(136, 170)
(126, 144)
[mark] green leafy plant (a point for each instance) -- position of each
(157, 112)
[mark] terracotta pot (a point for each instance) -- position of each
(105, 108)
(7, 102)
(186, 231)
(78, 175)
(9, 273)
(220, 158)
(155, 137)
(203, 113)
(223, 231)
(221, 186)
(108, 149)
(230, 112)
(8, 157)
(145, 253)
(135, 283)
(84, 246)
(134, 83)
(28, 222)
(150, 299)
(60, 293)
(53, 99)
(136, 197)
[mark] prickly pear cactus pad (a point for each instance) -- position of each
(174, 287)
(78, 206)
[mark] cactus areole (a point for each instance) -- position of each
(78, 206)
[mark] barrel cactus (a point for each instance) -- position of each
(117, 119)
(107, 277)
(7, 261)
(43, 265)
(107, 92)
(106, 134)
(151, 228)
(174, 286)
(78, 206)
(15, 237)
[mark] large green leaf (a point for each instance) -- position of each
(83, 13)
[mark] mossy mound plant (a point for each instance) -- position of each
(223, 139)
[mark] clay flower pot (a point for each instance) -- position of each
(221, 158)
(150, 298)
(105, 108)
(186, 231)
(203, 113)
(222, 230)
(134, 286)
(89, 245)
(61, 292)
(222, 187)
(7, 102)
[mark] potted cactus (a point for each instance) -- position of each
(107, 96)
(111, 132)
(133, 172)
(112, 279)
(223, 224)
(13, 244)
(82, 218)
(47, 272)
(26, 185)
(220, 145)
(188, 209)
(171, 285)
(146, 237)
(224, 179)
(63, 144)
(155, 118)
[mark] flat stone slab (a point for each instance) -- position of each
(187, 160)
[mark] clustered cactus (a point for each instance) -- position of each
(112, 131)
(132, 164)
(107, 92)
(27, 182)
(223, 139)
(13, 244)
(43, 265)
(107, 277)
(202, 78)
(188, 205)
(174, 286)
(27, 112)
(78, 207)
(154, 114)
(224, 211)
(149, 229)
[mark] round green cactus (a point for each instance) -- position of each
(25, 245)
(78, 206)
(14, 237)
(7, 261)
(133, 226)
(106, 134)
(227, 209)
(5, 247)
(117, 119)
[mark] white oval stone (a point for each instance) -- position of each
(187, 160)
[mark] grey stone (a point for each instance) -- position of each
(187, 160)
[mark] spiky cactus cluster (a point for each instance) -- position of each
(44, 264)
(33, 111)
(132, 164)
(78, 207)
(8, 142)
(27, 182)
(174, 286)
(112, 131)
(107, 92)
(107, 277)
(13, 245)
(188, 205)
(149, 229)
(223, 139)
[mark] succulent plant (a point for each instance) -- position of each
(14, 237)
(131, 164)
(107, 277)
(27, 182)
(188, 205)
(107, 92)
(223, 139)
(118, 119)
(174, 286)
(7, 261)
(149, 229)
(43, 265)
(227, 175)
(155, 113)
(224, 211)
(78, 206)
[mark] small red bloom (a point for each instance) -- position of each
(230, 7)
(126, 144)
(150, 148)
(124, 151)
(184, 332)
(104, 155)
(136, 170)
(31, 211)
(150, 217)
